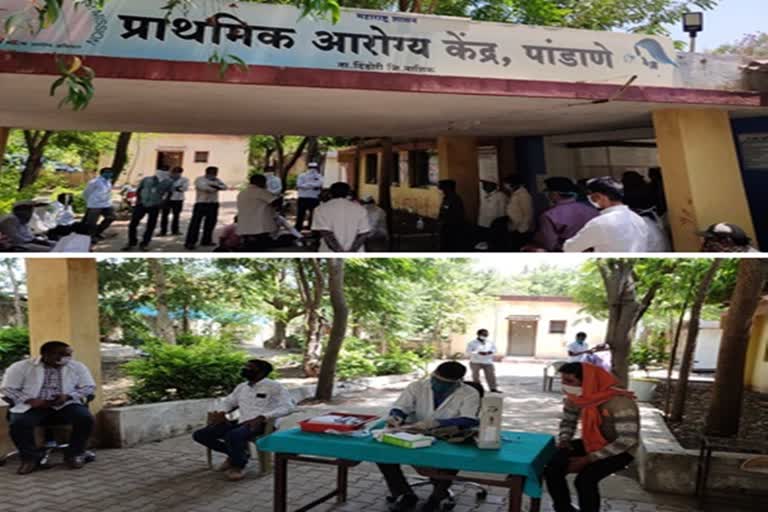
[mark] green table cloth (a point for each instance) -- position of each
(522, 453)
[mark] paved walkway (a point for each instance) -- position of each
(172, 475)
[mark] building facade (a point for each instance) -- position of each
(529, 326)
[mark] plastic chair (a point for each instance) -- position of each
(449, 503)
(550, 374)
(264, 458)
(47, 433)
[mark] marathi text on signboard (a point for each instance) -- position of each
(273, 35)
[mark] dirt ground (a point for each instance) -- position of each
(754, 420)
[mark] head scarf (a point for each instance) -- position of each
(598, 386)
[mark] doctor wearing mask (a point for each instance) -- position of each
(616, 229)
(439, 401)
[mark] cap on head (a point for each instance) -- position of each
(607, 186)
(723, 229)
(451, 370)
(561, 185)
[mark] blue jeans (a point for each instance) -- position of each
(23, 429)
(229, 438)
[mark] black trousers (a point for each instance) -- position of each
(171, 208)
(138, 214)
(92, 219)
(398, 484)
(257, 243)
(23, 425)
(587, 482)
(206, 214)
(229, 438)
(305, 206)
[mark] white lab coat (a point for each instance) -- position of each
(658, 241)
(274, 184)
(492, 206)
(616, 229)
(417, 401)
(28, 375)
(520, 211)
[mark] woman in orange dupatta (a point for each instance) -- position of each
(610, 428)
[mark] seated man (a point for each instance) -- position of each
(259, 400)
(15, 227)
(440, 401)
(51, 389)
(610, 426)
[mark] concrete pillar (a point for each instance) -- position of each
(4, 134)
(457, 158)
(702, 177)
(64, 306)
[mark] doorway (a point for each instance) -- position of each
(170, 158)
(521, 340)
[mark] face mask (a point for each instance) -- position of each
(107, 176)
(482, 338)
(594, 203)
(63, 361)
(572, 390)
(441, 386)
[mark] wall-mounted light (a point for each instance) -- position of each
(693, 23)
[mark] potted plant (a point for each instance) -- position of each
(642, 357)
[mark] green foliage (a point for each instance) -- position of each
(651, 354)
(78, 81)
(752, 46)
(48, 185)
(14, 345)
(543, 280)
(174, 372)
(360, 358)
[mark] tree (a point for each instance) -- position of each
(338, 329)
(724, 413)
(121, 154)
(752, 46)
(164, 323)
(36, 141)
(311, 277)
(681, 391)
(18, 311)
(542, 280)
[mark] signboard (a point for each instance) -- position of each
(383, 42)
(488, 163)
(754, 150)
(403, 168)
(434, 169)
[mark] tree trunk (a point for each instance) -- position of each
(36, 142)
(164, 323)
(312, 295)
(121, 154)
(18, 311)
(725, 410)
(338, 329)
(681, 390)
(673, 354)
(279, 336)
(185, 325)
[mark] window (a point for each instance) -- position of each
(201, 157)
(418, 163)
(371, 168)
(395, 168)
(557, 326)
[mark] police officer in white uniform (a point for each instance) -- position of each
(616, 229)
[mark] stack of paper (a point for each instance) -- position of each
(406, 440)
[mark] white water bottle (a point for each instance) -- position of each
(420, 224)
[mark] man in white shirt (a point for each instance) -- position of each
(309, 185)
(259, 401)
(175, 202)
(15, 228)
(274, 183)
(442, 400)
(616, 229)
(378, 239)
(519, 213)
(341, 223)
(52, 387)
(481, 351)
(206, 209)
(578, 349)
(493, 206)
(98, 199)
(256, 215)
